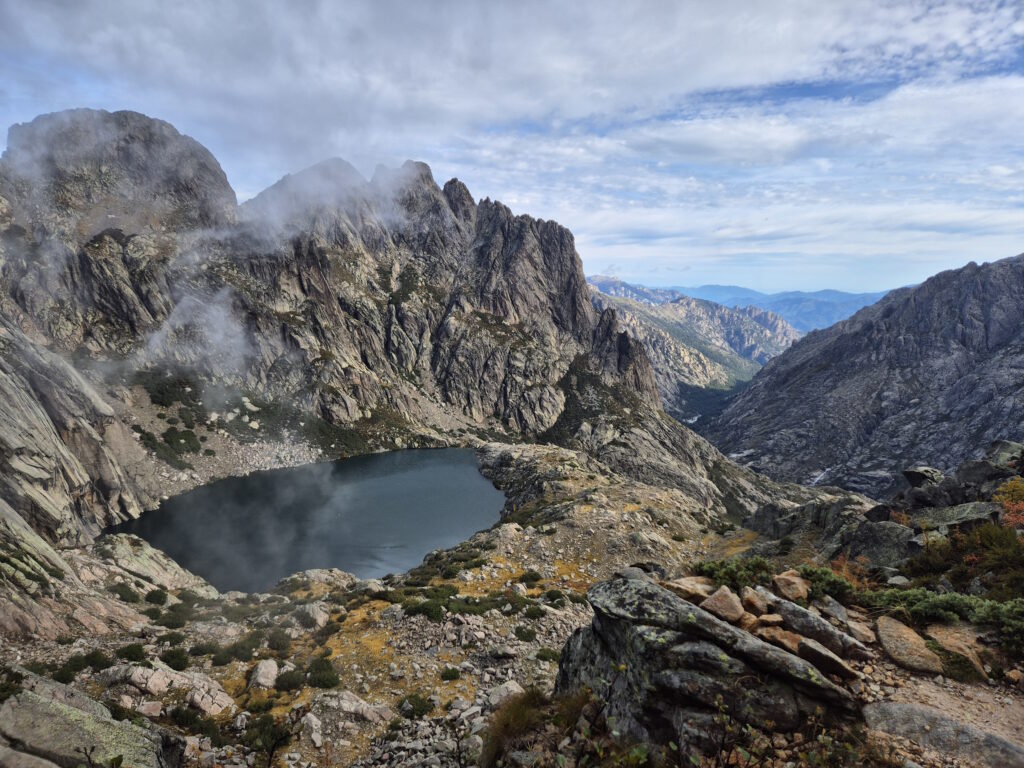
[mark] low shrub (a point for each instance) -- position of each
(290, 681)
(124, 593)
(132, 652)
(414, 706)
(516, 717)
(321, 674)
(451, 673)
(175, 658)
(524, 633)
(737, 572)
(204, 649)
(278, 640)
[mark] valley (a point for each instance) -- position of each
(166, 351)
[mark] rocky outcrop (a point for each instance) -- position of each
(885, 535)
(697, 345)
(53, 722)
(667, 667)
(948, 736)
(383, 312)
(927, 375)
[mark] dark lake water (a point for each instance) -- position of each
(370, 515)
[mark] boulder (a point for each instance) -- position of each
(55, 731)
(502, 693)
(922, 475)
(884, 544)
(780, 637)
(906, 647)
(800, 620)
(941, 519)
(692, 587)
(312, 615)
(724, 604)
(932, 728)
(312, 729)
(264, 674)
(351, 704)
(1006, 454)
(673, 662)
(12, 759)
(792, 586)
(753, 601)
(959, 640)
(824, 659)
(861, 631)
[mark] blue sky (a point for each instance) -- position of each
(853, 144)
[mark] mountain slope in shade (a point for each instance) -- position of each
(699, 350)
(925, 376)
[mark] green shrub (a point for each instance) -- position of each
(222, 657)
(278, 640)
(322, 674)
(825, 582)
(924, 606)
(124, 592)
(328, 630)
(175, 658)
(530, 578)
(191, 721)
(132, 652)
(290, 681)
(414, 706)
(171, 620)
(267, 735)
(547, 654)
(97, 660)
(154, 613)
(534, 612)
(451, 673)
(524, 633)
(736, 572)
(156, 596)
(204, 649)
(432, 609)
(172, 638)
(181, 440)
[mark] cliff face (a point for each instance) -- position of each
(926, 375)
(389, 311)
(696, 348)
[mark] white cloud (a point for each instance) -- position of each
(684, 124)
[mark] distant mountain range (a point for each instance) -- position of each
(929, 375)
(805, 311)
(701, 352)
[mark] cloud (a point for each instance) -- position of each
(566, 109)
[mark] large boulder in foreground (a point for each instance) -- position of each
(55, 723)
(666, 667)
